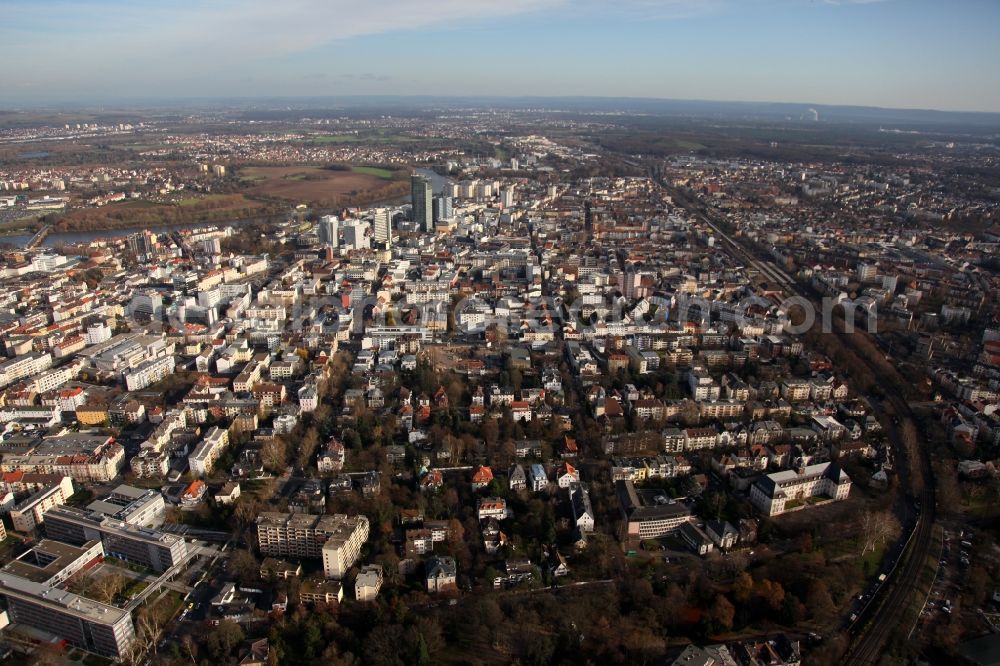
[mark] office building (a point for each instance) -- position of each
(54, 562)
(132, 506)
(422, 199)
(146, 306)
(356, 235)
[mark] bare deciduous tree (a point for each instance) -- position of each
(877, 527)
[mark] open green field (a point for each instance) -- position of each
(688, 145)
(335, 138)
(142, 147)
(21, 225)
(202, 200)
(372, 137)
(384, 174)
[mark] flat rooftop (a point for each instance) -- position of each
(59, 600)
(46, 559)
(299, 521)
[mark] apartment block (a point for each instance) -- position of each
(30, 513)
(368, 583)
(202, 459)
(341, 550)
(300, 535)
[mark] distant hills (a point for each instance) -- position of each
(728, 111)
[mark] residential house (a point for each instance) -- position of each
(517, 479)
(482, 477)
(538, 480)
(567, 476)
(441, 575)
(491, 507)
(583, 512)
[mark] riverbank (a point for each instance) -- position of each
(75, 237)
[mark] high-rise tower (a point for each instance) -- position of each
(422, 198)
(329, 229)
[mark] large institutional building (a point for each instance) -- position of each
(30, 586)
(120, 525)
(648, 514)
(772, 493)
(149, 547)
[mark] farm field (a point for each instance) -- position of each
(384, 174)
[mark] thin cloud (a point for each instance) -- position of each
(655, 9)
(229, 29)
(189, 44)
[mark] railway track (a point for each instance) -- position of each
(874, 629)
(888, 609)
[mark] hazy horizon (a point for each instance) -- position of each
(892, 54)
(111, 103)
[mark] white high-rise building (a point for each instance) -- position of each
(507, 197)
(355, 236)
(442, 208)
(383, 225)
(341, 550)
(329, 226)
(484, 191)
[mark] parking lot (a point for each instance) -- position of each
(957, 551)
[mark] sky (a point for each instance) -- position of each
(931, 54)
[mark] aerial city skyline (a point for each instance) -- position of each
(543, 332)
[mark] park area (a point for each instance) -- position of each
(322, 186)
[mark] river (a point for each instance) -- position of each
(437, 180)
(73, 237)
